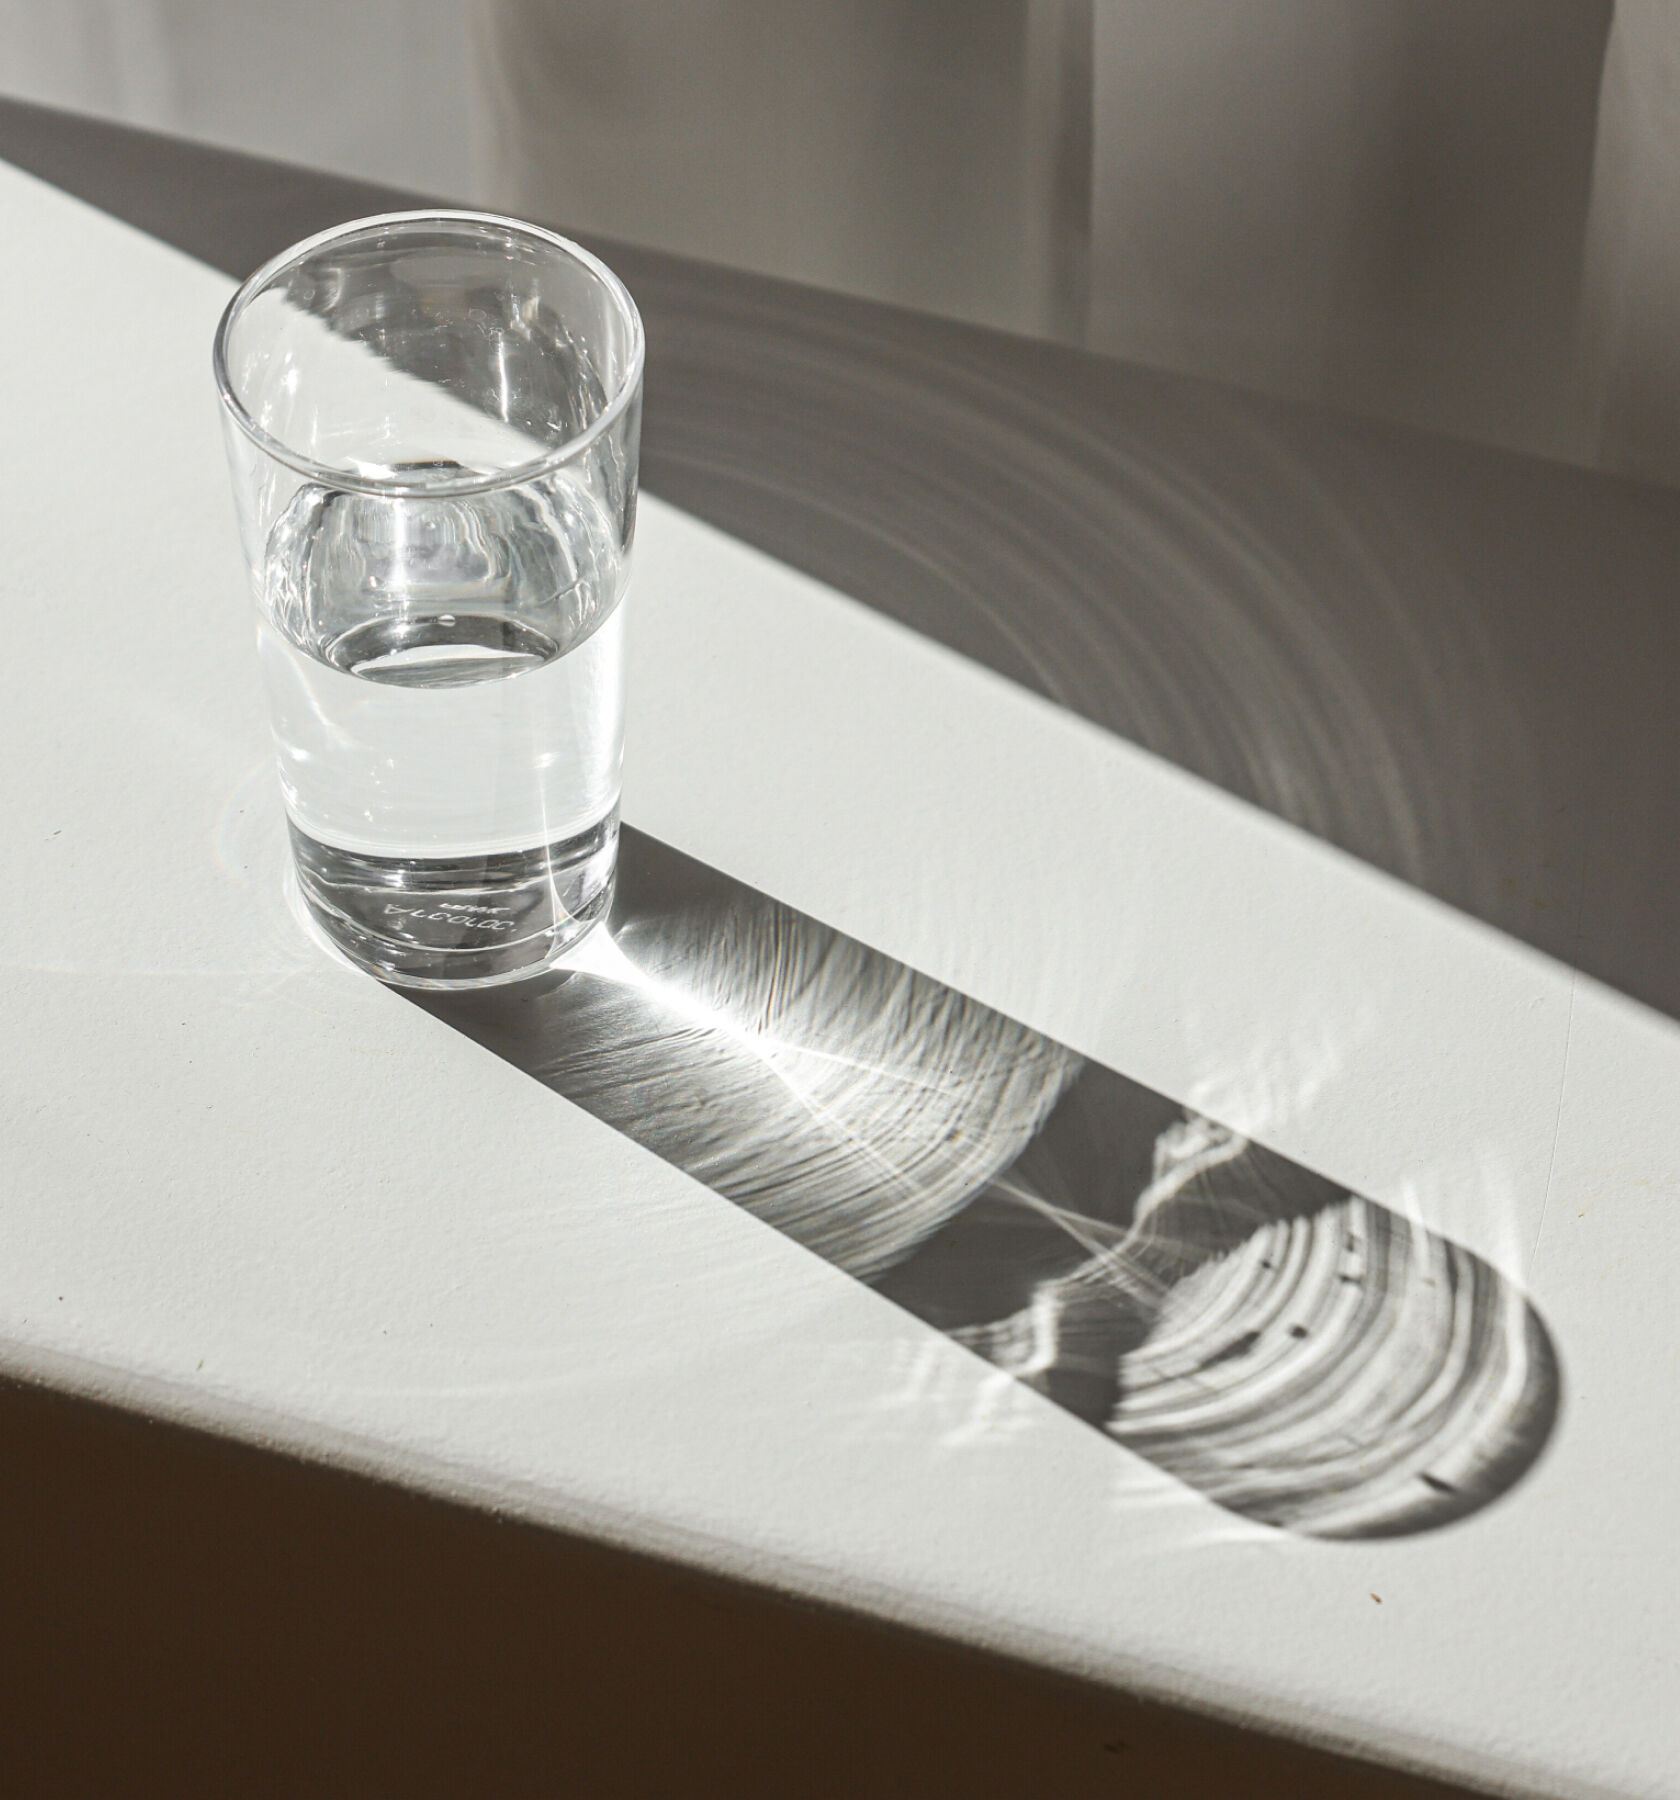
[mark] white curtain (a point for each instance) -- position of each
(1374, 203)
(1465, 213)
(911, 150)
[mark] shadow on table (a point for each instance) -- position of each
(1303, 1356)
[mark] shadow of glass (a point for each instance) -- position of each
(1299, 1354)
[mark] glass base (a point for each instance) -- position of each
(458, 922)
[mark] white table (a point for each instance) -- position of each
(245, 1188)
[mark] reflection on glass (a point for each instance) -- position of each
(1294, 1351)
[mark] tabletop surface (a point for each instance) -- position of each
(1129, 1112)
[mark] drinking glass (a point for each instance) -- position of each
(432, 424)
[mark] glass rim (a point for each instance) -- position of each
(348, 480)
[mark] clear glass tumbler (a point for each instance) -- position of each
(432, 422)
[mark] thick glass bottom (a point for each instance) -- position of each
(469, 921)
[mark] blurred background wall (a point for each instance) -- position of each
(1453, 212)
(1630, 311)
(1377, 203)
(379, 88)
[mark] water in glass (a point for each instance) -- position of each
(445, 678)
